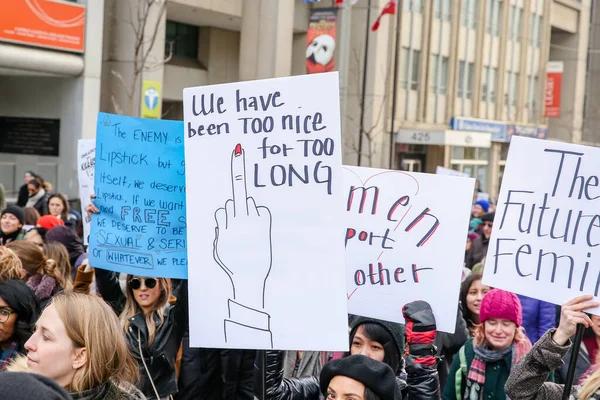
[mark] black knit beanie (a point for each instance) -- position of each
(395, 330)
(16, 211)
(375, 375)
(26, 386)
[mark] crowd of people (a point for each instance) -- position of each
(69, 330)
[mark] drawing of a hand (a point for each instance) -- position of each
(242, 245)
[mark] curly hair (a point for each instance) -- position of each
(10, 265)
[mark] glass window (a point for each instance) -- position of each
(433, 73)
(416, 64)
(484, 84)
(497, 20)
(473, 14)
(437, 9)
(517, 26)
(464, 13)
(507, 85)
(535, 94)
(538, 42)
(461, 78)
(444, 76)
(458, 153)
(446, 8)
(515, 89)
(470, 75)
(404, 68)
(184, 39)
(413, 5)
(492, 85)
(489, 16)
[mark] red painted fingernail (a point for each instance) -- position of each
(238, 149)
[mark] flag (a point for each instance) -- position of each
(390, 8)
(340, 2)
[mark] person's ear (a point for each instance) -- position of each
(80, 358)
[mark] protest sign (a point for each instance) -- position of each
(545, 238)
(265, 206)
(86, 155)
(405, 241)
(140, 190)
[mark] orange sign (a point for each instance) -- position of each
(44, 23)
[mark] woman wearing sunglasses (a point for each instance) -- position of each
(154, 319)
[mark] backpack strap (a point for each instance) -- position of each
(462, 370)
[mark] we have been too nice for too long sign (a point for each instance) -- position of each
(545, 242)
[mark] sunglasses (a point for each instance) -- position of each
(136, 283)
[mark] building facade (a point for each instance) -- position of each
(470, 74)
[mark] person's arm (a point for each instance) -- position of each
(470, 261)
(84, 278)
(279, 388)
(527, 380)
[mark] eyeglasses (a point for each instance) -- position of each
(5, 314)
(136, 283)
(488, 224)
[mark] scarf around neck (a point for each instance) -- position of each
(34, 199)
(483, 355)
(7, 355)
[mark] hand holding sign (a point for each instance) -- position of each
(243, 228)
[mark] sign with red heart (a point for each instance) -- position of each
(405, 241)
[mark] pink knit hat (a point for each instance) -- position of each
(501, 304)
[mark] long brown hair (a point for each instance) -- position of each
(132, 308)
(65, 212)
(92, 324)
(34, 261)
(58, 252)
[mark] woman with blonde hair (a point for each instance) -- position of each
(58, 252)
(482, 365)
(10, 265)
(41, 272)
(154, 319)
(79, 344)
(527, 380)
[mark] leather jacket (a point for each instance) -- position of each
(160, 357)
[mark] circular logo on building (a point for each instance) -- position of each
(468, 139)
(151, 98)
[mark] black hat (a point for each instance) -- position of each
(489, 217)
(395, 330)
(16, 211)
(25, 386)
(375, 375)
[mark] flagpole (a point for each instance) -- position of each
(396, 54)
(364, 85)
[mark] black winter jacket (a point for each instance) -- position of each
(421, 383)
(160, 357)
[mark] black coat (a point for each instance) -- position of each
(23, 196)
(421, 383)
(160, 356)
(477, 252)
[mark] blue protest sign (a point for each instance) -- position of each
(140, 190)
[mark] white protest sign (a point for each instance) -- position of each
(264, 214)
(86, 156)
(405, 241)
(545, 237)
(450, 172)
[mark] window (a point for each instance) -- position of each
(515, 23)
(404, 68)
(497, 18)
(413, 5)
(489, 16)
(441, 10)
(433, 73)
(469, 14)
(507, 85)
(416, 63)
(538, 42)
(470, 75)
(461, 79)
(535, 94)
(492, 85)
(515, 89)
(184, 39)
(484, 84)
(444, 76)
